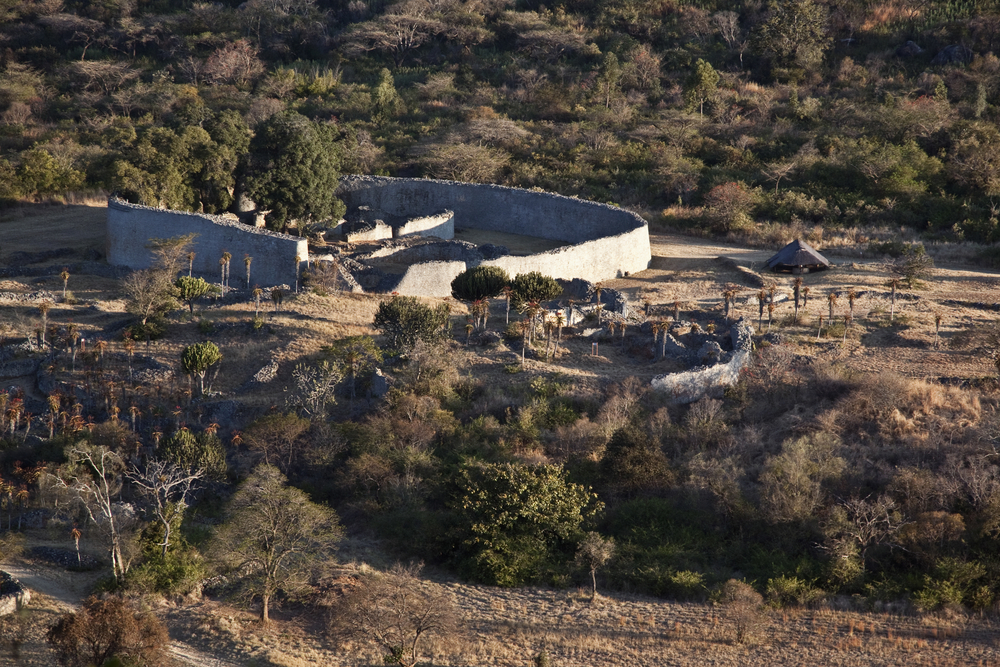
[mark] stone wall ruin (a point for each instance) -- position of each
(603, 241)
(131, 226)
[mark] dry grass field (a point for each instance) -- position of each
(511, 627)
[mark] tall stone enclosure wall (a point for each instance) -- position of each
(604, 241)
(130, 228)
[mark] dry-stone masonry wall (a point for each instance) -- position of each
(130, 228)
(693, 385)
(440, 225)
(604, 241)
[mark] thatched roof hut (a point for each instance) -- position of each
(798, 257)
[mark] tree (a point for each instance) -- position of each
(593, 553)
(274, 536)
(197, 358)
(166, 486)
(106, 630)
(533, 286)
(293, 170)
(396, 612)
(794, 35)
(633, 463)
(188, 451)
(356, 355)
(700, 86)
(744, 608)
(517, 518)
(94, 476)
(149, 294)
(386, 102)
(404, 320)
(280, 438)
(191, 289)
(314, 387)
(480, 282)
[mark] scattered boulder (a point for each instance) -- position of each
(379, 384)
(909, 50)
(954, 54)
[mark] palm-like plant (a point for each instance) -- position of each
(831, 299)
(65, 278)
(247, 260)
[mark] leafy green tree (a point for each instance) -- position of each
(480, 282)
(608, 85)
(700, 86)
(355, 355)
(533, 286)
(404, 320)
(196, 359)
(273, 537)
(40, 174)
(794, 36)
(190, 289)
(203, 451)
(293, 170)
(519, 518)
(386, 102)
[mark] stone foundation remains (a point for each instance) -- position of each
(694, 385)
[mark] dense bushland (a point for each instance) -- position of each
(755, 119)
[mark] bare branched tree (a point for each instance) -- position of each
(94, 477)
(397, 612)
(166, 486)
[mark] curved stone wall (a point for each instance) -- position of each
(131, 226)
(605, 241)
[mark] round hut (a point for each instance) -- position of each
(798, 257)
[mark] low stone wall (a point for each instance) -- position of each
(130, 227)
(440, 225)
(693, 385)
(377, 232)
(13, 595)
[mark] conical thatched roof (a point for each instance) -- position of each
(798, 255)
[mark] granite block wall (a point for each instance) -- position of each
(130, 228)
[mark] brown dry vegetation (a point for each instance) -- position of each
(897, 367)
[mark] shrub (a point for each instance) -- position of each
(784, 591)
(106, 629)
(517, 519)
(404, 320)
(533, 286)
(743, 608)
(480, 282)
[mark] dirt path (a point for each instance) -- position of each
(56, 591)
